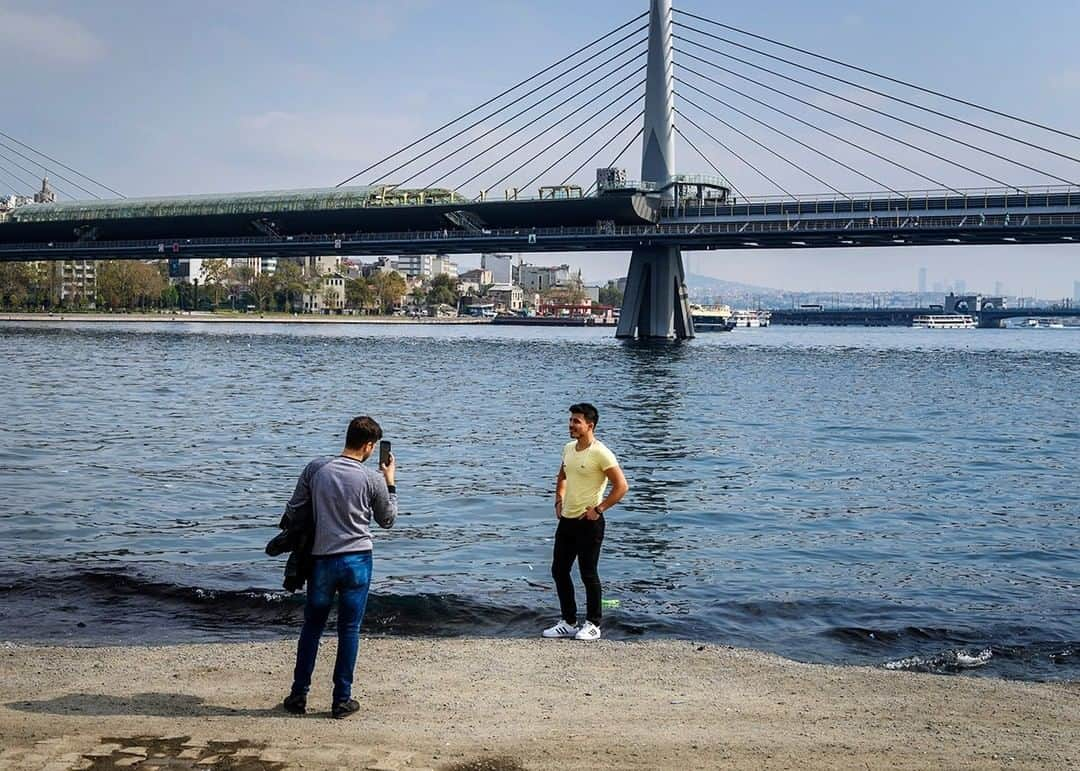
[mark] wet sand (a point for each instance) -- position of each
(516, 704)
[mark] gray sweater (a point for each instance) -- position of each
(345, 495)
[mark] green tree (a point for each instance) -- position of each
(610, 295)
(15, 284)
(216, 276)
(262, 290)
(125, 284)
(389, 288)
(358, 294)
(443, 291)
(289, 280)
(419, 296)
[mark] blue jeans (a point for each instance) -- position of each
(349, 575)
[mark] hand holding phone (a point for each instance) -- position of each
(386, 462)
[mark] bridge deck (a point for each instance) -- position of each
(1051, 217)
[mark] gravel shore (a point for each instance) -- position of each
(495, 704)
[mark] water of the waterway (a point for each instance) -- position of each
(893, 497)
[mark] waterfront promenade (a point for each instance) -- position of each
(504, 705)
(185, 317)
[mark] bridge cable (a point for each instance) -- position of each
(796, 140)
(540, 135)
(48, 171)
(761, 145)
(708, 161)
(537, 136)
(846, 141)
(559, 106)
(32, 173)
(914, 86)
(565, 136)
(591, 136)
(760, 173)
(519, 147)
(604, 146)
(480, 121)
(862, 106)
(493, 99)
(884, 94)
(23, 184)
(60, 164)
(636, 137)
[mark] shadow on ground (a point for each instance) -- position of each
(145, 704)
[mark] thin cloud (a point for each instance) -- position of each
(48, 37)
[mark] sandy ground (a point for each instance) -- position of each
(233, 318)
(516, 704)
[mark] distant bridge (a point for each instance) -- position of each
(990, 318)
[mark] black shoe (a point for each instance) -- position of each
(343, 709)
(296, 704)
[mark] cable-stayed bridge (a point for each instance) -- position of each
(515, 173)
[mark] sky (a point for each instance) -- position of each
(197, 97)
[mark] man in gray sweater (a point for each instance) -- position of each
(345, 496)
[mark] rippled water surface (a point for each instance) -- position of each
(895, 497)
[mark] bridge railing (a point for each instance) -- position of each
(881, 201)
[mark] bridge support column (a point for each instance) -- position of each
(655, 305)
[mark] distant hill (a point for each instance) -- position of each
(719, 286)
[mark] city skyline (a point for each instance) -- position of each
(200, 115)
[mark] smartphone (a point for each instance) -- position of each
(384, 452)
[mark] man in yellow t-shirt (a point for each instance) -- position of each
(587, 467)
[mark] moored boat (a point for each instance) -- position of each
(711, 318)
(944, 321)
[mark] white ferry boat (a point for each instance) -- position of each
(711, 318)
(751, 319)
(944, 321)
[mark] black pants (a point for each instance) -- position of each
(578, 539)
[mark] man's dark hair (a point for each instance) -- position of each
(586, 411)
(361, 431)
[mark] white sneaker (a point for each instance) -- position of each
(561, 629)
(588, 631)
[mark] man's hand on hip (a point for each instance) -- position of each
(591, 514)
(558, 508)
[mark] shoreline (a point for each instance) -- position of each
(516, 704)
(204, 317)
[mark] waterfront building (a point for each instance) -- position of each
(479, 277)
(320, 266)
(70, 283)
(186, 271)
(507, 296)
(536, 278)
(327, 297)
(254, 263)
(415, 265)
(268, 265)
(441, 265)
(593, 293)
(501, 267)
(77, 284)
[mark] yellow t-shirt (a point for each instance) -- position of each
(585, 478)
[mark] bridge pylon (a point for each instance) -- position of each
(655, 304)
